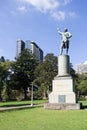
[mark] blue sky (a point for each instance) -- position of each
(37, 20)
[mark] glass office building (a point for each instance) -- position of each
(19, 46)
(32, 46)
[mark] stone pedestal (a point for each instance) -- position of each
(63, 65)
(62, 95)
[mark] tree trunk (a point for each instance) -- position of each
(0, 96)
(44, 95)
(25, 94)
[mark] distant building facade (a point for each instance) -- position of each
(37, 51)
(19, 46)
(32, 46)
(81, 68)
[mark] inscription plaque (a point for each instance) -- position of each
(62, 98)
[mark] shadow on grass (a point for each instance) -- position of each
(21, 108)
(15, 105)
(84, 107)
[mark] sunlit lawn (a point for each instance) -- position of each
(40, 119)
(17, 103)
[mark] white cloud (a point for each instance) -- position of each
(49, 6)
(72, 14)
(22, 9)
(67, 1)
(43, 5)
(59, 15)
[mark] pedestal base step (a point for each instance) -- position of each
(65, 106)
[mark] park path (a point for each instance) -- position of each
(19, 107)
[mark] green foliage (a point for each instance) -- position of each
(17, 94)
(26, 64)
(2, 59)
(83, 87)
(45, 72)
(9, 94)
(3, 74)
(81, 84)
(72, 71)
(5, 94)
(23, 67)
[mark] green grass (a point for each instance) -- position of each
(84, 102)
(18, 103)
(40, 119)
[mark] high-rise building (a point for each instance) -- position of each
(19, 46)
(37, 51)
(28, 44)
(32, 46)
(81, 68)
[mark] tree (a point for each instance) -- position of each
(23, 67)
(83, 87)
(45, 73)
(3, 75)
(81, 84)
(2, 59)
(1, 81)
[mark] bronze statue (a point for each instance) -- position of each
(65, 40)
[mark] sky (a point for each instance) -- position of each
(38, 20)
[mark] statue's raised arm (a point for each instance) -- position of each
(65, 36)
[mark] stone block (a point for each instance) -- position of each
(67, 106)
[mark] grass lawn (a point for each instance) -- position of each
(40, 119)
(19, 103)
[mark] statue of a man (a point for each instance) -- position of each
(65, 40)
